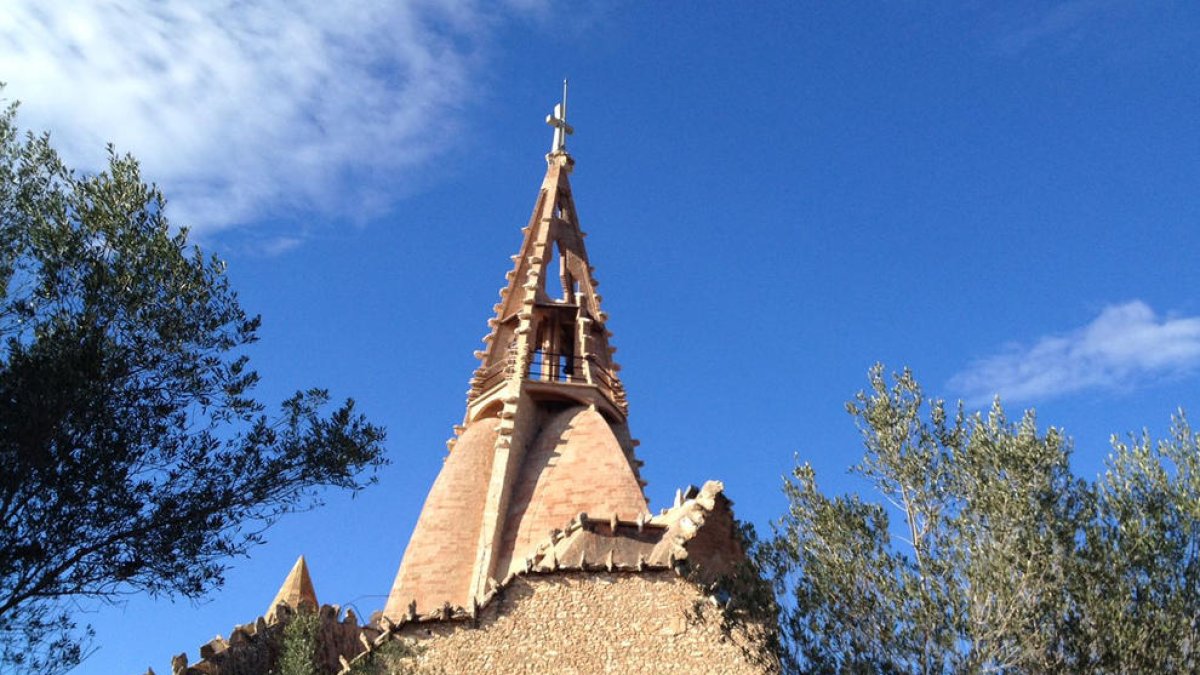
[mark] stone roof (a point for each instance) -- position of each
(296, 591)
(699, 529)
(440, 555)
(542, 475)
(575, 464)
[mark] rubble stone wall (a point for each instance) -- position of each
(585, 624)
(254, 649)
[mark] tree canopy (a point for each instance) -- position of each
(1002, 559)
(133, 454)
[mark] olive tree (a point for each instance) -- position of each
(974, 574)
(134, 457)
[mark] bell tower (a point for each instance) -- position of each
(545, 436)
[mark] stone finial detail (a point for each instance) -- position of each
(296, 591)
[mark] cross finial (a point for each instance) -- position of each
(558, 120)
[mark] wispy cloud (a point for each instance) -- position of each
(270, 246)
(244, 108)
(1061, 27)
(1058, 21)
(1126, 345)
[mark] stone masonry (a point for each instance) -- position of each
(586, 624)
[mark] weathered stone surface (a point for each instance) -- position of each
(571, 622)
(523, 463)
(213, 647)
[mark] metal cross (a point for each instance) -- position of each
(558, 120)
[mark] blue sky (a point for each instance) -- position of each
(1002, 196)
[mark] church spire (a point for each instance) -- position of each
(549, 328)
(544, 437)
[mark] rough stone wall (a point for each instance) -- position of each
(254, 649)
(584, 624)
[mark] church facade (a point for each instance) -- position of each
(536, 550)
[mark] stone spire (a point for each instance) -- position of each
(549, 327)
(296, 591)
(544, 436)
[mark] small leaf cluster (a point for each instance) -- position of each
(298, 648)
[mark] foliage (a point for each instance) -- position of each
(298, 651)
(133, 457)
(1002, 560)
(396, 657)
(1143, 555)
(748, 614)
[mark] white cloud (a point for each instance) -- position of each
(239, 109)
(1126, 345)
(272, 246)
(1064, 23)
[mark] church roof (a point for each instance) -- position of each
(660, 542)
(698, 535)
(576, 464)
(440, 556)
